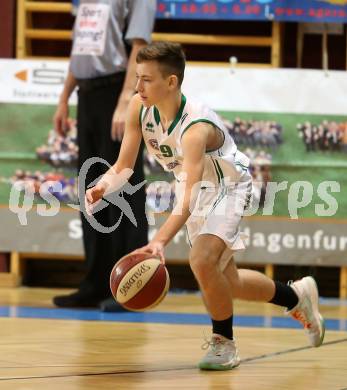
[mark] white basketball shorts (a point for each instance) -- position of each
(219, 212)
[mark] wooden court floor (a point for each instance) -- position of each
(112, 351)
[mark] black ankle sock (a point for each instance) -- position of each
(284, 296)
(224, 327)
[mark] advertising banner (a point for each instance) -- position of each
(323, 11)
(291, 123)
(270, 240)
(32, 82)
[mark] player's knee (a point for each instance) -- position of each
(202, 265)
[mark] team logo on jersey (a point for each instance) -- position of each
(149, 127)
(154, 143)
(172, 165)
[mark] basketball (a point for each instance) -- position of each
(139, 281)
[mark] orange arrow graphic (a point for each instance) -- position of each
(22, 75)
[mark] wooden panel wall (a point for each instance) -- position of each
(7, 28)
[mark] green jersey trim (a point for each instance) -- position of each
(156, 115)
(202, 120)
(218, 200)
(217, 172)
(179, 115)
(243, 167)
(177, 118)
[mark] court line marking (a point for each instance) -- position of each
(246, 360)
(255, 321)
(272, 354)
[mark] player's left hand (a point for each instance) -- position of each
(155, 248)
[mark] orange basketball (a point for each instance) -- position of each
(139, 281)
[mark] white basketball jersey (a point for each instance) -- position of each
(223, 164)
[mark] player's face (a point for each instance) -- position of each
(151, 85)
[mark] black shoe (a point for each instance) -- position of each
(77, 299)
(109, 305)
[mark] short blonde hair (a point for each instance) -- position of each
(169, 55)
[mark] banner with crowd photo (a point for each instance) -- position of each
(293, 126)
(291, 123)
(324, 11)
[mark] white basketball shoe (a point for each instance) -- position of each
(222, 354)
(307, 311)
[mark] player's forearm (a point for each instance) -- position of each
(115, 178)
(117, 175)
(179, 215)
(171, 227)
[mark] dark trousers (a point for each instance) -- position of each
(102, 250)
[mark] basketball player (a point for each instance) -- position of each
(213, 190)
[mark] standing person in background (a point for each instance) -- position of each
(105, 77)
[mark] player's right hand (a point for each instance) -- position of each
(155, 248)
(93, 197)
